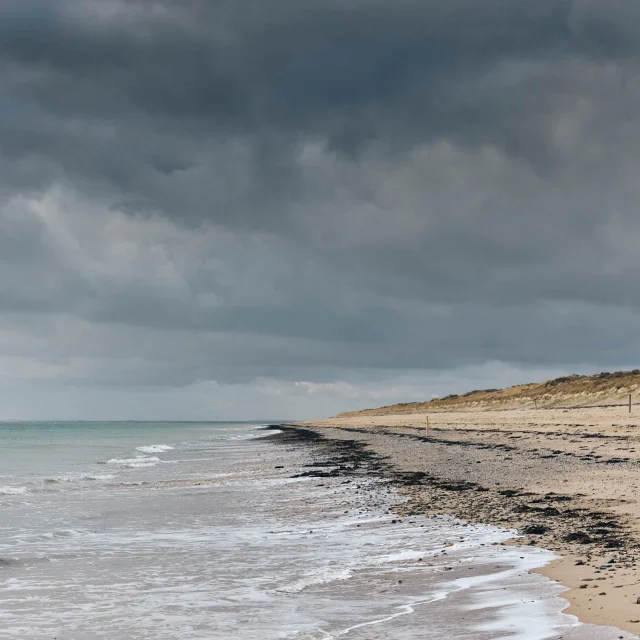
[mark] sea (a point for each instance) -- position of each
(210, 531)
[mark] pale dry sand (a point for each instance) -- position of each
(574, 472)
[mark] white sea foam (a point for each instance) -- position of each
(135, 463)
(323, 576)
(402, 610)
(154, 448)
(79, 477)
(13, 491)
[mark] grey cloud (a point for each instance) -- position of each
(320, 191)
(348, 73)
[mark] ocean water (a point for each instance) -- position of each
(199, 531)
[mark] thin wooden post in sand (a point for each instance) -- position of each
(427, 424)
(629, 403)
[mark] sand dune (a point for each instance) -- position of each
(569, 391)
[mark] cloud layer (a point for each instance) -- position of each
(337, 203)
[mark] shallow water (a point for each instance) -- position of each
(169, 530)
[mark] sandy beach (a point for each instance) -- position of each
(567, 479)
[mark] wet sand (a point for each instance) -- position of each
(567, 479)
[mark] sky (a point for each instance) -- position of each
(242, 210)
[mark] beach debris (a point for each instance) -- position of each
(535, 529)
(577, 536)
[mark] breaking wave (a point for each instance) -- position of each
(154, 448)
(13, 491)
(135, 463)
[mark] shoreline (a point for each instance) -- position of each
(398, 565)
(478, 475)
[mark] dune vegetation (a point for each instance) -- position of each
(568, 391)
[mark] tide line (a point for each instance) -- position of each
(405, 610)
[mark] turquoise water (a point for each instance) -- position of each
(108, 530)
(33, 450)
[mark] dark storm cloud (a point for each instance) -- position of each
(304, 189)
(132, 93)
(128, 77)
